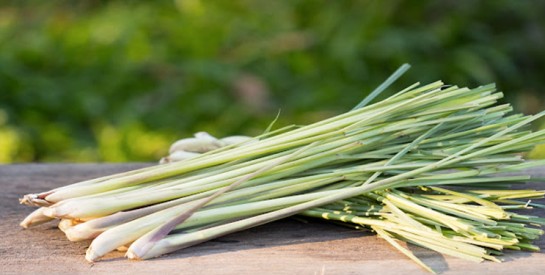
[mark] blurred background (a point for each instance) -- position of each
(84, 81)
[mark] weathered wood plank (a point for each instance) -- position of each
(285, 247)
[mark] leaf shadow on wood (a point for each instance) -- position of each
(283, 233)
(320, 239)
(435, 260)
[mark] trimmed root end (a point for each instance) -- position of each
(122, 249)
(132, 256)
(35, 218)
(91, 256)
(24, 224)
(33, 200)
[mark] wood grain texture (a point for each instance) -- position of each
(289, 246)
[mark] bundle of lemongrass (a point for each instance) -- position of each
(379, 165)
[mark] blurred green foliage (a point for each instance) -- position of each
(121, 80)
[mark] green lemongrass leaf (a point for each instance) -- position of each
(459, 155)
(481, 214)
(409, 147)
(495, 240)
(513, 247)
(383, 86)
(529, 247)
(403, 250)
(439, 227)
(452, 248)
(269, 128)
(278, 189)
(480, 243)
(448, 221)
(391, 207)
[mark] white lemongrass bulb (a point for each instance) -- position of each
(202, 142)
(122, 248)
(178, 156)
(35, 218)
(194, 145)
(66, 224)
(206, 136)
(234, 140)
(81, 232)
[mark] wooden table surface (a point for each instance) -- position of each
(289, 246)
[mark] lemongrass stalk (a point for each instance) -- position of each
(46, 204)
(128, 232)
(243, 168)
(39, 198)
(282, 188)
(178, 241)
(93, 228)
(167, 227)
(196, 179)
(131, 231)
(99, 247)
(213, 215)
(99, 206)
(35, 218)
